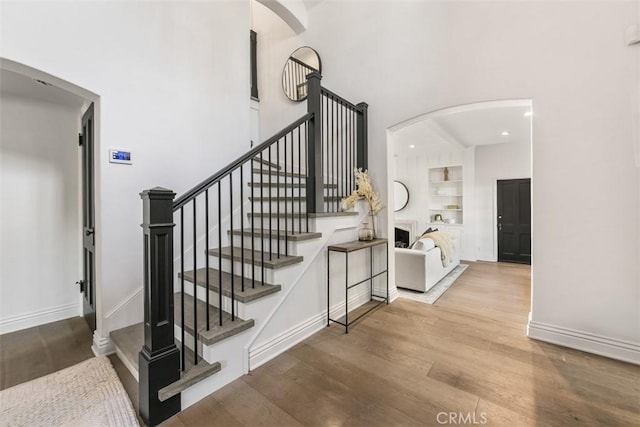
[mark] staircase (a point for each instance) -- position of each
(238, 233)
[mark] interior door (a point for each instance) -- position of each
(514, 220)
(88, 284)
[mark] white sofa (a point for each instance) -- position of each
(420, 269)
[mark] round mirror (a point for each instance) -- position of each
(401, 193)
(303, 61)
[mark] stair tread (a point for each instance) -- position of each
(249, 294)
(216, 332)
(266, 162)
(285, 184)
(274, 263)
(278, 173)
(189, 377)
(294, 237)
(129, 341)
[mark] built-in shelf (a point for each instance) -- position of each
(451, 183)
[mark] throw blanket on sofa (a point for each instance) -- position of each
(443, 240)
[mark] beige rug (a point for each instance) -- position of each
(87, 394)
(432, 295)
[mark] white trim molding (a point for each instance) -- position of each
(263, 352)
(591, 343)
(37, 318)
(102, 346)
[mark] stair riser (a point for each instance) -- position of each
(251, 310)
(273, 191)
(288, 205)
(188, 341)
(272, 222)
(261, 244)
(248, 271)
(278, 178)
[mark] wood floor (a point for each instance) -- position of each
(405, 364)
(464, 360)
(32, 353)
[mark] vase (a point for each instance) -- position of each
(366, 233)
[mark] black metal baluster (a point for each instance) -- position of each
(293, 220)
(220, 250)
(241, 230)
(343, 175)
(233, 290)
(195, 287)
(182, 352)
(286, 219)
(253, 237)
(351, 122)
(306, 168)
(270, 203)
(278, 198)
(340, 154)
(299, 184)
(262, 233)
(324, 139)
(206, 243)
(333, 150)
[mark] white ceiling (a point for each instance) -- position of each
(14, 84)
(466, 126)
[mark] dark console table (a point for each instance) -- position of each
(347, 248)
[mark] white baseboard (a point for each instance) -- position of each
(263, 352)
(37, 318)
(102, 346)
(591, 343)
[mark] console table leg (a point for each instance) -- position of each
(346, 292)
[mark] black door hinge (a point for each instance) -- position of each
(80, 139)
(81, 283)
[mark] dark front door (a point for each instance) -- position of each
(514, 220)
(88, 219)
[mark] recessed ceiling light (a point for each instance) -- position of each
(528, 114)
(505, 133)
(412, 146)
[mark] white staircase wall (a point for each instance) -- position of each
(302, 306)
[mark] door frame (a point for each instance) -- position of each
(496, 251)
(101, 337)
(88, 214)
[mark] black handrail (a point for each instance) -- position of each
(209, 182)
(335, 97)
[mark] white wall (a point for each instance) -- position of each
(494, 162)
(408, 58)
(39, 211)
(173, 81)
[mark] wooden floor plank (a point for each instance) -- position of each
(404, 364)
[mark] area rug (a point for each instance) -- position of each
(436, 292)
(87, 394)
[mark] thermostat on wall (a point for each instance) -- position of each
(119, 156)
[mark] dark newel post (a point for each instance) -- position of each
(315, 180)
(362, 138)
(159, 359)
